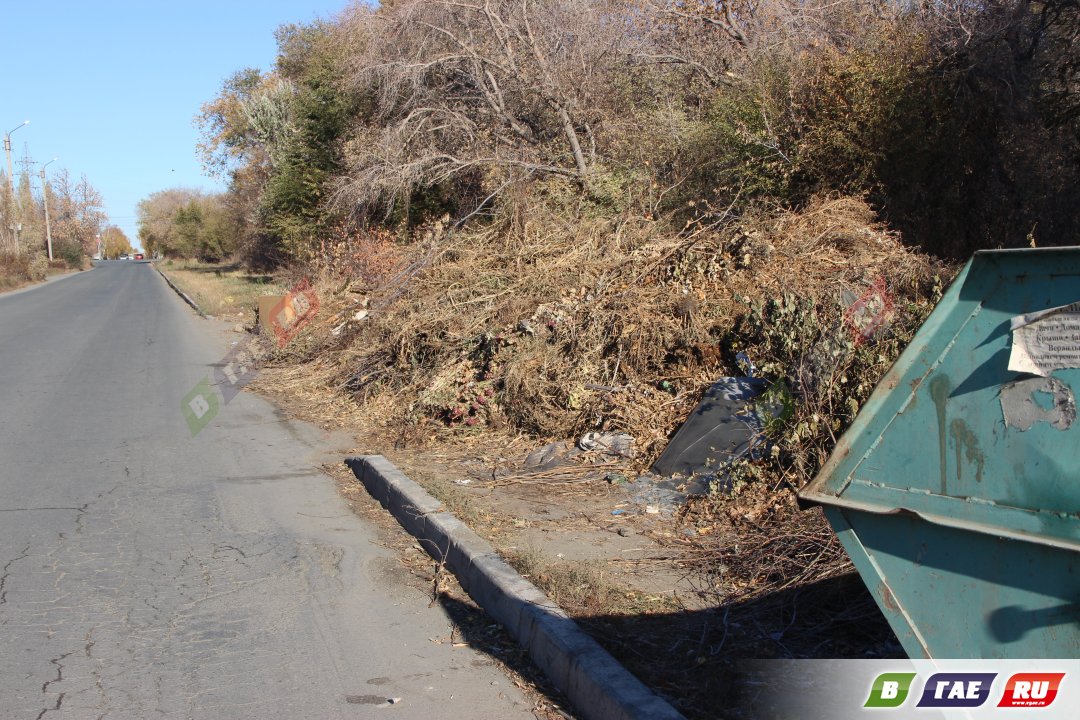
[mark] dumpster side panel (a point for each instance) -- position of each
(872, 575)
(952, 594)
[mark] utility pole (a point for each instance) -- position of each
(27, 163)
(45, 201)
(16, 226)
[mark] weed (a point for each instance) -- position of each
(582, 588)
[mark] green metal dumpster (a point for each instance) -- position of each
(956, 490)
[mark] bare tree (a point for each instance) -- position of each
(512, 88)
(78, 214)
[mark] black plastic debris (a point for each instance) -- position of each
(726, 425)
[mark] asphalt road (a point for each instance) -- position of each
(148, 573)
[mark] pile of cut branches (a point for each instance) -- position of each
(553, 329)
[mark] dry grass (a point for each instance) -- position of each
(8, 282)
(548, 329)
(767, 546)
(11, 282)
(225, 291)
(583, 589)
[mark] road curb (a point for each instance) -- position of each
(182, 294)
(599, 687)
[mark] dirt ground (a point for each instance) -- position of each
(577, 512)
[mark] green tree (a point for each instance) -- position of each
(188, 223)
(230, 140)
(279, 138)
(155, 220)
(321, 110)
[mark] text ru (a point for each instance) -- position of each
(1031, 690)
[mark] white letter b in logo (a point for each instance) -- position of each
(199, 406)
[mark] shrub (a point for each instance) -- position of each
(70, 252)
(37, 269)
(12, 268)
(947, 133)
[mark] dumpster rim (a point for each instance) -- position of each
(812, 497)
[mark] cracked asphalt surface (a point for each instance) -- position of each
(147, 573)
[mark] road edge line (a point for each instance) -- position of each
(599, 687)
(182, 294)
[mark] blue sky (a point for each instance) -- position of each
(112, 87)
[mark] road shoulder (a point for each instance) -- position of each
(35, 285)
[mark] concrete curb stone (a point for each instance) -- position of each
(182, 294)
(598, 686)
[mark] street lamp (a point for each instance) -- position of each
(7, 151)
(45, 201)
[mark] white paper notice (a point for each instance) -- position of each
(1045, 341)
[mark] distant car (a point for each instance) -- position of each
(124, 256)
(139, 256)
